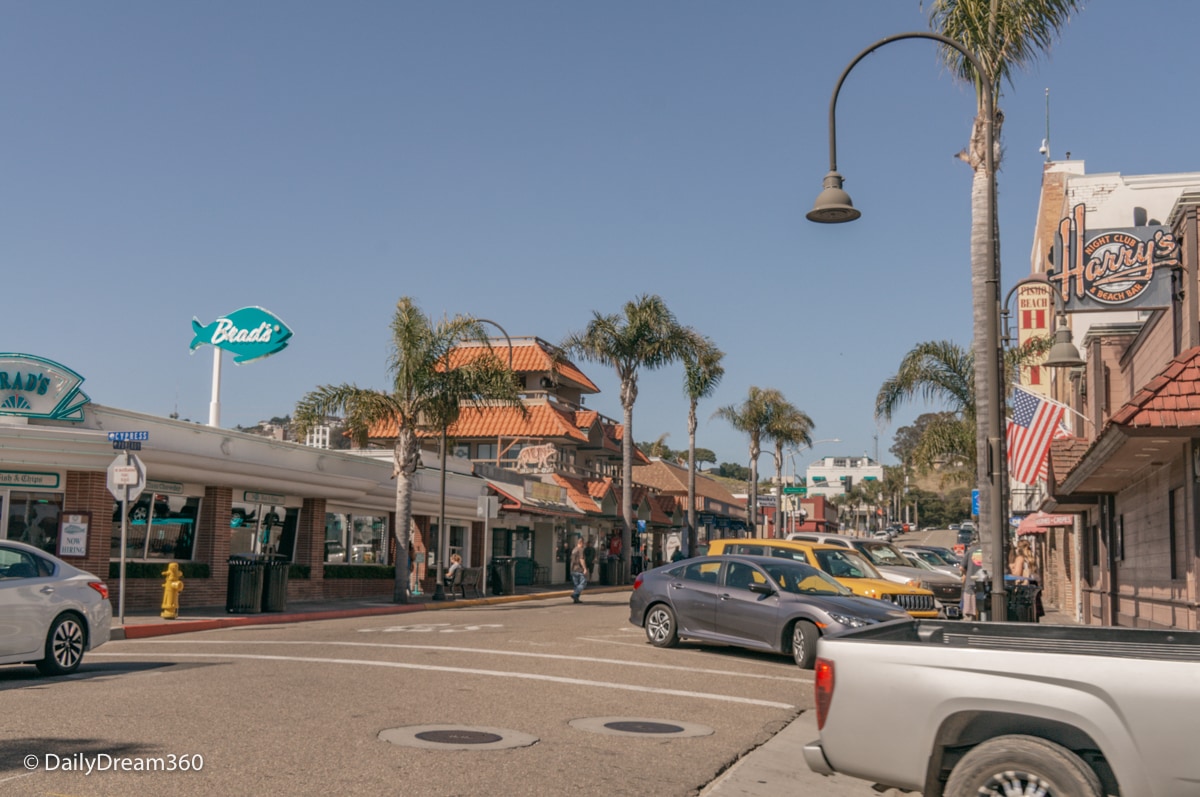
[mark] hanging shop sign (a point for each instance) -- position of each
(250, 333)
(38, 388)
(1127, 268)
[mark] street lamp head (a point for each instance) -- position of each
(833, 205)
(1063, 353)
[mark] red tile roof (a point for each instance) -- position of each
(1169, 400)
(529, 356)
(1065, 454)
(543, 420)
(579, 491)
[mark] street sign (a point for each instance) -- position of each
(795, 491)
(120, 436)
(127, 445)
(975, 503)
(126, 477)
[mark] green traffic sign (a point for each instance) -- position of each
(795, 491)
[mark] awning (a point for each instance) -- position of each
(1038, 522)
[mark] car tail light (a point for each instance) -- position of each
(637, 582)
(100, 587)
(823, 689)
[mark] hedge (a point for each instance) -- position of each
(360, 571)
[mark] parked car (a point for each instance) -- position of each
(947, 590)
(931, 560)
(757, 602)
(945, 554)
(52, 612)
(847, 567)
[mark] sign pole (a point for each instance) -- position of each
(214, 406)
(124, 533)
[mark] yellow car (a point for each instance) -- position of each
(847, 566)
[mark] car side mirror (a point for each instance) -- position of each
(762, 589)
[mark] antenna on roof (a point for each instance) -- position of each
(1045, 148)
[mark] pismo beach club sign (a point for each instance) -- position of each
(1127, 268)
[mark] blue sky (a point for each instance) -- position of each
(530, 162)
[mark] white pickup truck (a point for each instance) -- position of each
(958, 709)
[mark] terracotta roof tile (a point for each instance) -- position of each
(578, 493)
(529, 356)
(544, 420)
(1169, 400)
(1065, 454)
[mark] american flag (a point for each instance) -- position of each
(1034, 423)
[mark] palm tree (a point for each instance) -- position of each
(752, 417)
(940, 371)
(788, 427)
(702, 372)
(425, 394)
(1005, 35)
(647, 336)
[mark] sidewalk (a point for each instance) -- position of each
(144, 623)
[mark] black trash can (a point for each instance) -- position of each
(1022, 603)
(274, 585)
(243, 593)
(502, 575)
(606, 572)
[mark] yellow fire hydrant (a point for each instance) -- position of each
(171, 589)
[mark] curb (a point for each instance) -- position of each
(166, 627)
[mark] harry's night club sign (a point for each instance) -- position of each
(1127, 268)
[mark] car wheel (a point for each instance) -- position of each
(660, 626)
(804, 644)
(138, 512)
(1022, 765)
(64, 646)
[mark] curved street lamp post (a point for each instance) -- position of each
(833, 205)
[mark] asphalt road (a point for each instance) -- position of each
(530, 690)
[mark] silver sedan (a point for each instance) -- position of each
(50, 611)
(759, 602)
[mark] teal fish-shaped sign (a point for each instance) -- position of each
(250, 334)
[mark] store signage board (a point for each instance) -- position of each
(73, 533)
(34, 387)
(250, 333)
(30, 480)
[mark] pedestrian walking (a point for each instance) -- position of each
(578, 569)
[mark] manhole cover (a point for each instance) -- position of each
(636, 726)
(459, 736)
(456, 737)
(640, 726)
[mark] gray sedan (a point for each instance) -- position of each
(50, 612)
(757, 602)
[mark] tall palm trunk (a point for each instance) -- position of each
(752, 509)
(407, 457)
(627, 397)
(691, 520)
(983, 271)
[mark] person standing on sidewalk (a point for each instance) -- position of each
(578, 569)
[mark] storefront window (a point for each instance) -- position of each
(458, 541)
(33, 518)
(157, 527)
(357, 539)
(485, 451)
(266, 529)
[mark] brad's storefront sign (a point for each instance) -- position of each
(37, 388)
(1126, 268)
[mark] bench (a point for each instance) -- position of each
(468, 577)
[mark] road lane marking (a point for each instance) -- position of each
(555, 656)
(472, 671)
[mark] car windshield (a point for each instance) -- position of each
(801, 579)
(935, 557)
(883, 554)
(915, 559)
(845, 564)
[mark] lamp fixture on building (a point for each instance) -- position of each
(1063, 353)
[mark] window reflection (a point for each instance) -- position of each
(157, 526)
